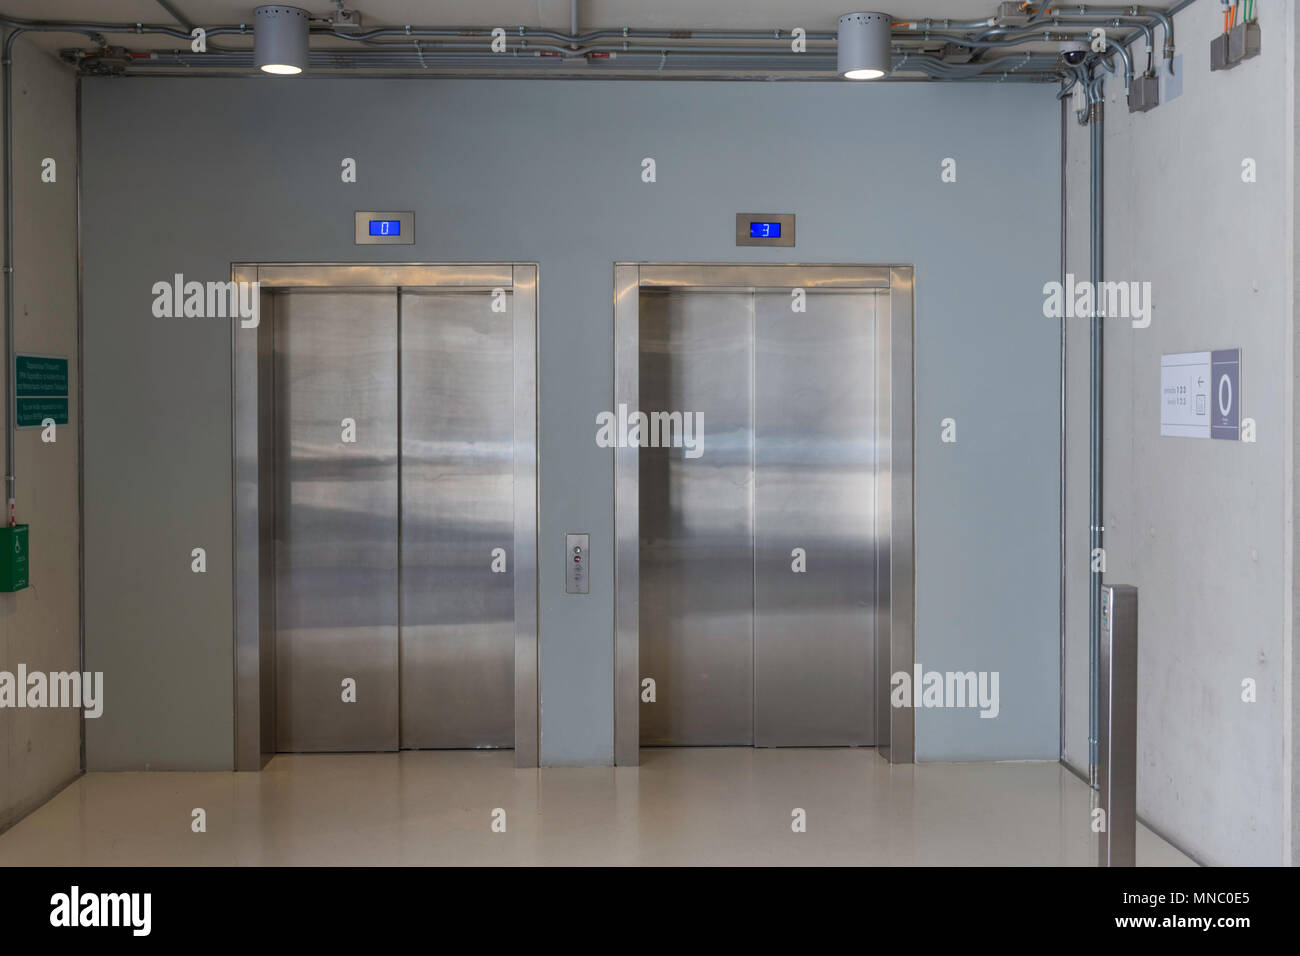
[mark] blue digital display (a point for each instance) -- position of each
(385, 227)
(765, 230)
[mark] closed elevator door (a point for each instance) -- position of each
(336, 520)
(457, 647)
(394, 563)
(757, 558)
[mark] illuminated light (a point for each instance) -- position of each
(863, 46)
(280, 39)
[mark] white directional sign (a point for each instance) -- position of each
(1185, 394)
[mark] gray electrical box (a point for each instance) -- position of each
(1012, 13)
(1240, 43)
(1243, 42)
(575, 564)
(1219, 53)
(1144, 93)
(1117, 725)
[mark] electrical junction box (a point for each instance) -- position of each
(1144, 93)
(1012, 13)
(346, 21)
(13, 557)
(1219, 53)
(1243, 42)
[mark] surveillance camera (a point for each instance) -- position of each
(1074, 52)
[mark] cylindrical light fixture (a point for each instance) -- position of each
(862, 46)
(280, 39)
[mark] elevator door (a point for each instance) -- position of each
(336, 558)
(457, 633)
(757, 558)
(394, 474)
(697, 521)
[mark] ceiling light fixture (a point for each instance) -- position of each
(280, 39)
(862, 46)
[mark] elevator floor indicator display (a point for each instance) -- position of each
(765, 229)
(373, 228)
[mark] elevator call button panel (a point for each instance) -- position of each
(765, 229)
(575, 564)
(384, 228)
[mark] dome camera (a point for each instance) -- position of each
(1074, 52)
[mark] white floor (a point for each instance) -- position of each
(698, 806)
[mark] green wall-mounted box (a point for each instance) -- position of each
(13, 557)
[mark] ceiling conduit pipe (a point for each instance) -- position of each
(1163, 17)
(1128, 64)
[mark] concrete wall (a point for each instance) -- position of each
(188, 175)
(40, 749)
(1202, 527)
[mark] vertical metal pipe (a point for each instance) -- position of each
(1065, 113)
(81, 440)
(8, 82)
(1096, 214)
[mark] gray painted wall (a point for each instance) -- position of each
(1199, 526)
(40, 749)
(188, 175)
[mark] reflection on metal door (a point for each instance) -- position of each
(757, 560)
(336, 520)
(814, 509)
(395, 564)
(457, 640)
(697, 522)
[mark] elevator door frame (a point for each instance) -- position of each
(895, 569)
(253, 480)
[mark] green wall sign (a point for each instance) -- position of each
(41, 387)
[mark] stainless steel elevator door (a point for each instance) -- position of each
(457, 625)
(814, 507)
(744, 648)
(335, 359)
(697, 575)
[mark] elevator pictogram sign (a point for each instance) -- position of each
(1200, 394)
(1225, 404)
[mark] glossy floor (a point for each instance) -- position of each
(690, 806)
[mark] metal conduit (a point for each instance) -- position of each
(11, 386)
(576, 44)
(1096, 212)
(1028, 67)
